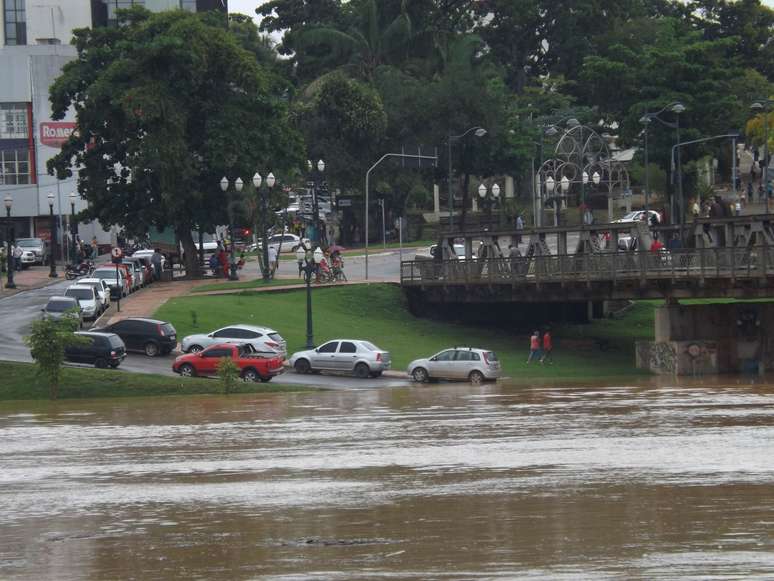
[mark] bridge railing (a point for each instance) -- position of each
(728, 263)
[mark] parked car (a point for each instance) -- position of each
(101, 288)
(99, 349)
(356, 356)
(87, 300)
(35, 245)
(59, 307)
(138, 271)
(459, 251)
(475, 365)
(261, 338)
(148, 254)
(253, 365)
(115, 279)
(127, 270)
(639, 216)
(288, 242)
(27, 258)
(148, 336)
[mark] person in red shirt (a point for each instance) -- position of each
(534, 347)
(548, 348)
(657, 246)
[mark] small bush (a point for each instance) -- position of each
(47, 344)
(228, 373)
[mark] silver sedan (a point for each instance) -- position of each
(362, 358)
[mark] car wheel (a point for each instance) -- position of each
(420, 375)
(100, 363)
(251, 374)
(376, 374)
(362, 371)
(302, 366)
(187, 370)
(476, 377)
(151, 349)
(194, 349)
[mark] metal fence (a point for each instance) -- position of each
(686, 264)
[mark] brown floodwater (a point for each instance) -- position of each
(649, 481)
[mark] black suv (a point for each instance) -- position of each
(99, 349)
(149, 336)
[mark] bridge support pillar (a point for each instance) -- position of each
(709, 339)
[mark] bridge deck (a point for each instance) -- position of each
(686, 273)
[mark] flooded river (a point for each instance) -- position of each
(439, 482)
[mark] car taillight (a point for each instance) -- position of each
(378, 356)
(113, 353)
(271, 344)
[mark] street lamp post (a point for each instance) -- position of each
(308, 261)
(10, 261)
(317, 178)
(764, 106)
(73, 228)
(479, 132)
(238, 185)
(264, 193)
(645, 120)
(494, 195)
(52, 255)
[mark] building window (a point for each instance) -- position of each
(103, 12)
(13, 121)
(15, 19)
(14, 166)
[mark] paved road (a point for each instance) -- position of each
(18, 311)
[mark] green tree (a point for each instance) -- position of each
(167, 104)
(228, 373)
(47, 343)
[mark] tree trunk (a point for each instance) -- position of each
(190, 255)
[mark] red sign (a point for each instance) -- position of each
(55, 133)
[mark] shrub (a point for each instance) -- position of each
(47, 344)
(228, 373)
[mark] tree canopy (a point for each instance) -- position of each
(167, 104)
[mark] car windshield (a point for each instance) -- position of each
(81, 294)
(29, 243)
(275, 337)
(59, 306)
(631, 216)
(369, 346)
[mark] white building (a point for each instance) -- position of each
(34, 46)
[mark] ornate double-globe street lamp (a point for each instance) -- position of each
(270, 181)
(308, 262)
(489, 197)
(238, 185)
(52, 255)
(9, 240)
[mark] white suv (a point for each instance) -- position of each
(475, 365)
(261, 339)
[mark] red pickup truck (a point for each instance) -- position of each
(254, 365)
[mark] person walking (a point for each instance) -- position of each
(156, 260)
(272, 260)
(17, 252)
(519, 228)
(534, 347)
(548, 348)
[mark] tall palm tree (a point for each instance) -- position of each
(362, 49)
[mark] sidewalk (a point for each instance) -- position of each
(28, 279)
(145, 302)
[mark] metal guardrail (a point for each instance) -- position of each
(573, 269)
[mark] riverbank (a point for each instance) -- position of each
(20, 382)
(378, 312)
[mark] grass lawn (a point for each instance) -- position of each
(21, 382)
(246, 284)
(377, 312)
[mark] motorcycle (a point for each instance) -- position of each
(85, 268)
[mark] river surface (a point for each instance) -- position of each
(441, 482)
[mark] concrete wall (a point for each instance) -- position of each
(716, 338)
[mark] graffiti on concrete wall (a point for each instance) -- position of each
(662, 358)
